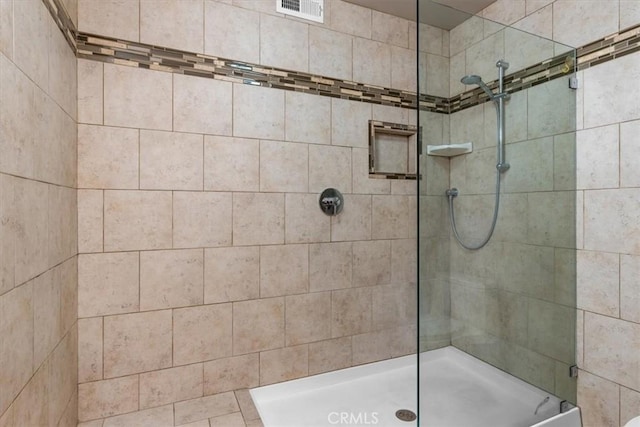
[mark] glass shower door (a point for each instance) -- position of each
(510, 304)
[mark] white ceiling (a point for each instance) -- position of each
(445, 14)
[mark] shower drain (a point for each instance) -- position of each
(405, 415)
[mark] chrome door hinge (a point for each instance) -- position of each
(573, 371)
(573, 82)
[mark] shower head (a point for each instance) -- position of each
(477, 80)
(471, 80)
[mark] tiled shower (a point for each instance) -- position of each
(161, 245)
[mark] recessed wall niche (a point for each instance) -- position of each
(392, 150)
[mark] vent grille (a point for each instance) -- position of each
(312, 10)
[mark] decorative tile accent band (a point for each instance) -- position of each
(194, 64)
(545, 71)
(142, 55)
(609, 48)
(64, 22)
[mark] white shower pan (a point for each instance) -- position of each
(457, 390)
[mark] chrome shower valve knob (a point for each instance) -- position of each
(331, 202)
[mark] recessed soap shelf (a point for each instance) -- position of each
(449, 150)
(392, 150)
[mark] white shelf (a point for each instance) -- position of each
(449, 150)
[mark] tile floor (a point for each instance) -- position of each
(232, 409)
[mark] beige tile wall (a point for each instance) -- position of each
(608, 286)
(206, 265)
(180, 170)
(570, 22)
(38, 219)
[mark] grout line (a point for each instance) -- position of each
(619, 404)
(173, 410)
(173, 102)
(203, 275)
(139, 144)
(619, 127)
(103, 194)
(260, 37)
(139, 19)
(203, 163)
(102, 347)
(139, 280)
(102, 76)
(172, 337)
(619, 285)
(233, 111)
(138, 378)
(172, 220)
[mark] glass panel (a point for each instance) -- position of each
(510, 304)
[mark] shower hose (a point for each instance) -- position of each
(452, 217)
(502, 166)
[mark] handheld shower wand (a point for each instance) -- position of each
(473, 79)
(502, 166)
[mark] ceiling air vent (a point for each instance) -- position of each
(306, 9)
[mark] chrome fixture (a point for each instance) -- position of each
(472, 79)
(498, 100)
(331, 202)
(502, 165)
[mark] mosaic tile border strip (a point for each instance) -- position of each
(141, 55)
(64, 22)
(609, 48)
(194, 64)
(116, 51)
(559, 66)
